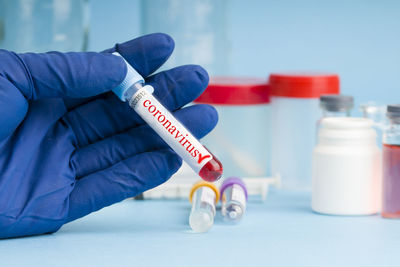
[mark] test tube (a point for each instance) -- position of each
(140, 98)
(233, 197)
(204, 197)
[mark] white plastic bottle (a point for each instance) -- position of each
(346, 169)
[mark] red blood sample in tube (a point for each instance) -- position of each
(163, 122)
(212, 170)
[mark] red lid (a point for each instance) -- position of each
(235, 91)
(303, 85)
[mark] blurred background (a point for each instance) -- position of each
(359, 39)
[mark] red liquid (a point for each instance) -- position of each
(212, 170)
(391, 181)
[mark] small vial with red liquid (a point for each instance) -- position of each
(391, 164)
(140, 98)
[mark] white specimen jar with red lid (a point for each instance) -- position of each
(241, 139)
(294, 113)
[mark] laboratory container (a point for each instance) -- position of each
(241, 139)
(198, 27)
(336, 105)
(346, 168)
(376, 112)
(44, 25)
(294, 114)
(391, 164)
(233, 193)
(204, 197)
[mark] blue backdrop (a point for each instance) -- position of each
(358, 39)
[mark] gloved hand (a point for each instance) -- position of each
(69, 147)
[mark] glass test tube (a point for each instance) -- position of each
(391, 164)
(141, 99)
(204, 197)
(234, 197)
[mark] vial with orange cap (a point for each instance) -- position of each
(204, 197)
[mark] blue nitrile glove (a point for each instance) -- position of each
(69, 147)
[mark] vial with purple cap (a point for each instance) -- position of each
(233, 197)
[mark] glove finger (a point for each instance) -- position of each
(146, 53)
(125, 179)
(67, 75)
(79, 75)
(71, 103)
(107, 116)
(103, 154)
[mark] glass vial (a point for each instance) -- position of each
(336, 105)
(377, 113)
(391, 164)
(204, 197)
(234, 198)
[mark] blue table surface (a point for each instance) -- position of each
(283, 231)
